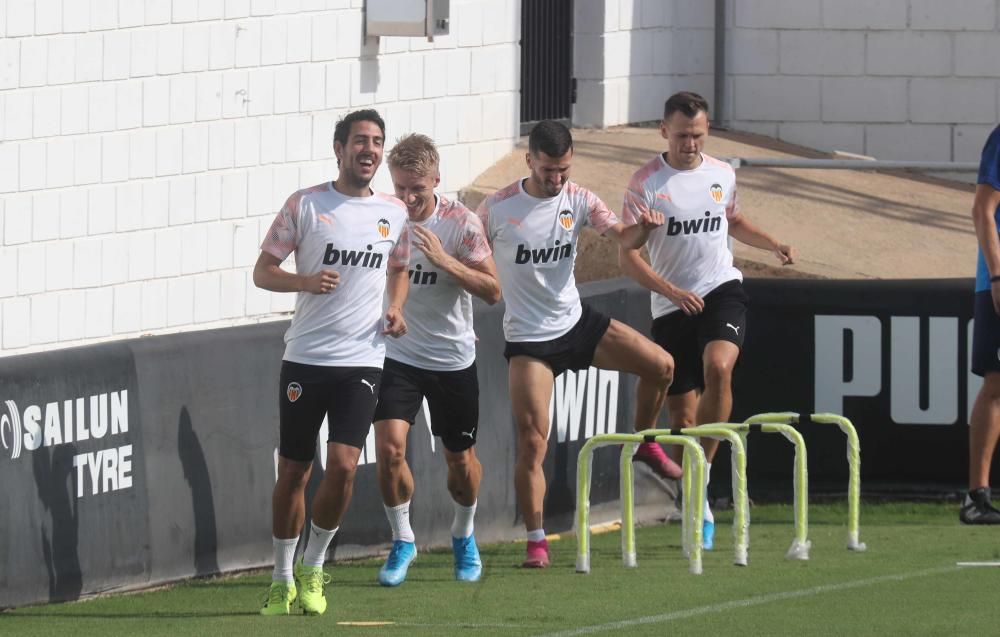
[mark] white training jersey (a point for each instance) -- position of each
(359, 237)
(534, 245)
(438, 311)
(691, 248)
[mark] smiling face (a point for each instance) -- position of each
(415, 190)
(685, 139)
(548, 174)
(361, 156)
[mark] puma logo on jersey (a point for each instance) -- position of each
(366, 259)
(370, 386)
(470, 434)
(735, 329)
(693, 226)
(417, 277)
(543, 255)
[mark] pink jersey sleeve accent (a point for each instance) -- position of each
(399, 256)
(718, 162)
(283, 236)
(483, 214)
(733, 207)
(391, 199)
(473, 247)
(599, 216)
(507, 192)
(636, 204)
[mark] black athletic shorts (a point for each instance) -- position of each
(724, 318)
(985, 335)
(453, 398)
(307, 393)
(573, 350)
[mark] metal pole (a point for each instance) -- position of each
(851, 164)
(720, 64)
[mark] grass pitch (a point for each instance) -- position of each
(907, 583)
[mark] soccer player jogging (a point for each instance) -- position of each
(534, 226)
(698, 303)
(436, 360)
(984, 425)
(351, 249)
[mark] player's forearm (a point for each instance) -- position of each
(481, 284)
(636, 268)
(273, 279)
(633, 237)
(397, 287)
(745, 232)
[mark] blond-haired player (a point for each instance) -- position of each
(436, 361)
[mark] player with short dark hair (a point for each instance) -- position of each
(698, 303)
(534, 226)
(351, 249)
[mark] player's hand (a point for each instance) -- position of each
(395, 325)
(428, 243)
(995, 290)
(651, 219)
(786, 254)
(323, 282)
(689, 302)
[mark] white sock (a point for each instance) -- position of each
(319, 542)
(536, 536)
(284, 558)
(399, 520)
(461, 526)
(708, 510)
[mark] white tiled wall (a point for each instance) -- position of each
(898, 79)
(145, 145)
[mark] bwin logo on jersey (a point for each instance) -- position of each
(716, 192)
(543, 255)
(417, 277)
(566, 219)
(693, 226)
(383, 227)
(367, 259)
(10, 422)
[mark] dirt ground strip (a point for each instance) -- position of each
(846, 224)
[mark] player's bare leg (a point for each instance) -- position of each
(984, 429)
(288, 502)
(624, 349)
(530, 382)
(335, 490)
(715, 405)
(395, 482)
(464, 475)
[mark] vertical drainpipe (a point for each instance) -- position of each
(720, 120)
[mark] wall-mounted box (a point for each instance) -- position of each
(413, 18)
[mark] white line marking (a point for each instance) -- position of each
(746, 602)
(977, 563)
